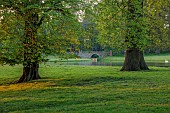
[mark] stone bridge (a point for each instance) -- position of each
(92, 54)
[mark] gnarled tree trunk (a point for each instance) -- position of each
(134, 60)
(30, 72)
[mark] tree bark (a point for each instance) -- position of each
(134, 60)
(142, 63)
(31, 54)
(30, 72)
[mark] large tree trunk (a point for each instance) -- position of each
(134, 58)
(30, 72)
(134, 61)
(31, 54)
(142, 63)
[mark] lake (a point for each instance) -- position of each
(99, 63)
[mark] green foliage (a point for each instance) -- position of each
(95, 89)
(128, 23)
(58, 35)
(111, 23)
(30, 30)
(10, 39)
(157, 22)
(88, 40)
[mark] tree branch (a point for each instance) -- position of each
(51, 9)
(40, 21)
(56, 9)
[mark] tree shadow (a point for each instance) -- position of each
(91, 81)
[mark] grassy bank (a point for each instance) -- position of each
(148, 58)
(86, 89)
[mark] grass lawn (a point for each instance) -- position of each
(86, 89)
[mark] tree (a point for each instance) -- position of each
(32, 29)
(157, 14)
(125, 24)
(88, 41)
(134, 58)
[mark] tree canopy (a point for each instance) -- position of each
(52, 21)
(112, 18)
(32, 29)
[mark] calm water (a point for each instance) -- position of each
(91, 63)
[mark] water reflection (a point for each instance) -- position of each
(91, 63)
(158, 64)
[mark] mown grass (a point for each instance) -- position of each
(86, 89)
(148, 58)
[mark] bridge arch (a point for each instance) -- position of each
(94, 55)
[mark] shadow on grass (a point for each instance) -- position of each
(91, 81)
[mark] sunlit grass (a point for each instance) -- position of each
(24, 86)
(86, 89)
